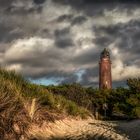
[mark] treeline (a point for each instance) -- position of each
(119, 102)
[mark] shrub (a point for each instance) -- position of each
(136, 111)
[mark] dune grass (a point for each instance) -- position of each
(23, 103)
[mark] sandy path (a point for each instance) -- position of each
(70, 129)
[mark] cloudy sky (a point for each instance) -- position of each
(59, 41)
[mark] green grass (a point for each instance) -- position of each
(23, 89)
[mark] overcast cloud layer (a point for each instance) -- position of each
(61, 40)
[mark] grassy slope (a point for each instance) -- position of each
(20, 99)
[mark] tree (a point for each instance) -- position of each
(134, 84)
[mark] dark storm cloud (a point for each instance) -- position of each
(53, 74)
(14, 23)
(63, 38)
(126, 33)
(39, 1)
(44, 33)
(57, 38)
(97, 7)
(89, 2)
(83, 5)
(5, 3)
(102, 41)
(64, 43)
(62, 33)
(21, 7)
(23, 10)
(3, 47)
(78, 20)
(7, 33)
(65, 17)
(4, 30)
(90, 77)
(73, 20)
(87, 57)
(72, 78)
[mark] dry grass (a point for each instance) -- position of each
(12, 112)
(23, 104)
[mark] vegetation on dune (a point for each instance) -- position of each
(28, 91)
(12, 110)
(23, 103)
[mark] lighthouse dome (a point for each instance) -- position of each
(105, 53)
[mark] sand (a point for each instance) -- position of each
(77, 129)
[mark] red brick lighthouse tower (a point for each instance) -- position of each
(105, 78)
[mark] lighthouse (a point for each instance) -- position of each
(105, 78)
